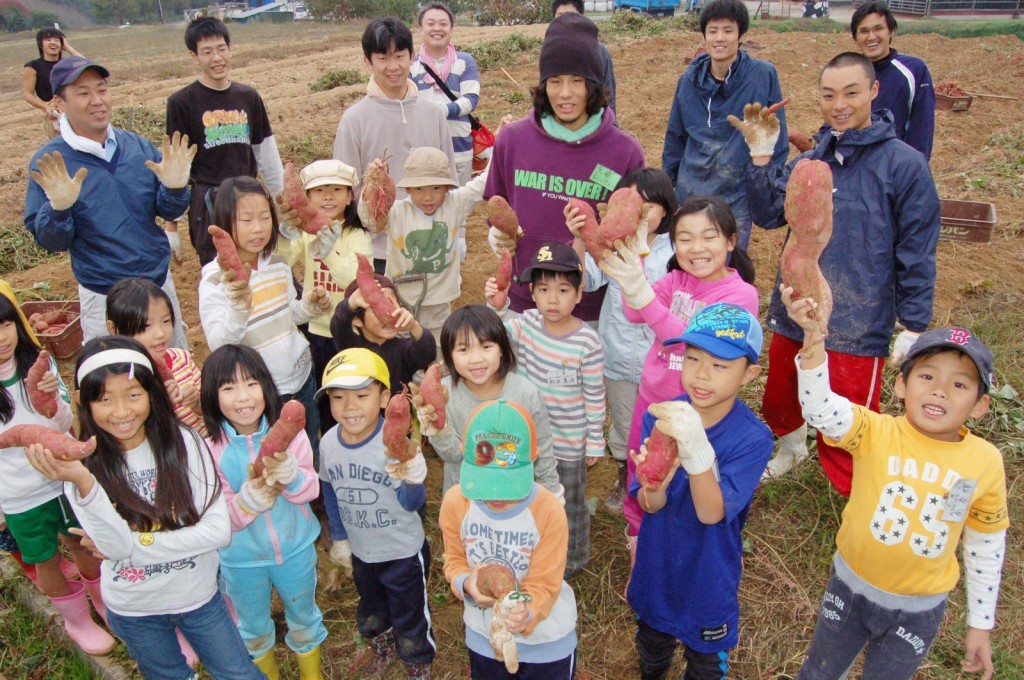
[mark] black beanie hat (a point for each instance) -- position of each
(571, 49)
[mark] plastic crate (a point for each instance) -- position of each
(947, 103)
(967, 220)
(65, 344)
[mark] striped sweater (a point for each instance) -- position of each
(464, 82)
(569, 372)
(269, 325)
(186, 372)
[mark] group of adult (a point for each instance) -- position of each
(878, 119)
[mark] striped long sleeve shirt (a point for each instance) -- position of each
(569, 372)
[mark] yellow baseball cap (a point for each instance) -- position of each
(354, 369)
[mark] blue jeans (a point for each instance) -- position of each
(897, 641)
(211, 632)
(485, 668)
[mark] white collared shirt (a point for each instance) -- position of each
(80, 143)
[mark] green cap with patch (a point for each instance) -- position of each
(498, 450)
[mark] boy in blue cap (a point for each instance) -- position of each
(701, 509)
(921, 481)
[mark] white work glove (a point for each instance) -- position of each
(321, 245)
(463, 248)
(60, 188)
(174, 240)
(341, 555)
(679, 420)
(561, 494)
(288, 219)
(256, 497)
(497, 239)
(901, 347)
(626, 267)
(760, 129)
(3, 521)
(316, 302)
(426, 414)
(174, 169)
(237, 291)
(280, 469)
(412, 471)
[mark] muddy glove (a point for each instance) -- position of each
(626, 267)
(281, 469)
(174, 169)
(341, 555)
(679, 420)
(412, 471)
(321, 245)
(256, 497)
(60, 188)
(316, 302)
(759, 127)
(288, 219)
(237, 291)
(497, 239)
(426, 414)
(904, 341)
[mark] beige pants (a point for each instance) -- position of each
(621, 396)
(432, 317)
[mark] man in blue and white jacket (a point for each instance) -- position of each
(96, 190)
(904, 83)
(704, 155)
(880, 261)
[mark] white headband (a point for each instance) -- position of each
(113, 356)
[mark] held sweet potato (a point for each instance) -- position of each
(287, 427)
(809, 213)
(383, 308)
(379, 194)
(162, 369)
(434, 394)
(60, 444)
(622, 220)
(662, 450)
(501, 215)
(397, 425)
(502, 279)
(45, 403)
(589, 232)
(496, 580)
(312, 220)
(227, 253)
(801, 140)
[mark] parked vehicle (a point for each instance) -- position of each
(655, 8)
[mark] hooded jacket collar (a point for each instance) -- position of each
(705, 83)
(845, 146)
(374, 90)
(607, 122)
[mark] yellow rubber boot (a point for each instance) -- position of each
(309, 665)
(268, 664)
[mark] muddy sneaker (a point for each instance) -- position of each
(372, 661)
(613, 503)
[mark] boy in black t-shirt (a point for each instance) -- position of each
(229, 123)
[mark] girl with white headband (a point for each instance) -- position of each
(150, 505)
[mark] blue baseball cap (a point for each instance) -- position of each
(724, 330)
(67, 70)
(957, 338)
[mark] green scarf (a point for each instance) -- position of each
(560, 132)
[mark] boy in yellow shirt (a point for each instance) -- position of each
(921, 481)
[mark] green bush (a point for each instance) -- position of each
(333, 79)
(505, 52)
(342, 10)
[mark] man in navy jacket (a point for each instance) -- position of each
(880, 261)
(904, 83)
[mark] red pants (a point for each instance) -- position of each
(857, 378)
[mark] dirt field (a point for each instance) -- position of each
(978, 155)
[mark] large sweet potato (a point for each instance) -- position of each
(434, 394)
(45, 403)
(383, 307)
(227, 252)
(496, 580)
(662, 450)
(809, 213)
(620, 221)
(60, 444)
(502, 279)
(311, 219)
(379, 194)
(501, 215)
(288, 425)
(397, 425)
(589, 232)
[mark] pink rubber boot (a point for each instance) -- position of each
(79, 624)
(92, 588)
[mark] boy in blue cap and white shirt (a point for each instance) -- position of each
(497, 515)
(723, 449)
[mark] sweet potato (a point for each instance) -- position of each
(496, 580)
(383, 307)
(227, 253)
(60, 444)
(589, 233)
(502, 279)
(312, 220)
(434, 394)
(379, 194)
(809, 213)
(662, 450)
(501, 215)
(397, 425)
(45, 403)
(288, 425)
(622, 220)
(162, 369)
(801, 140)
(51, 322)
